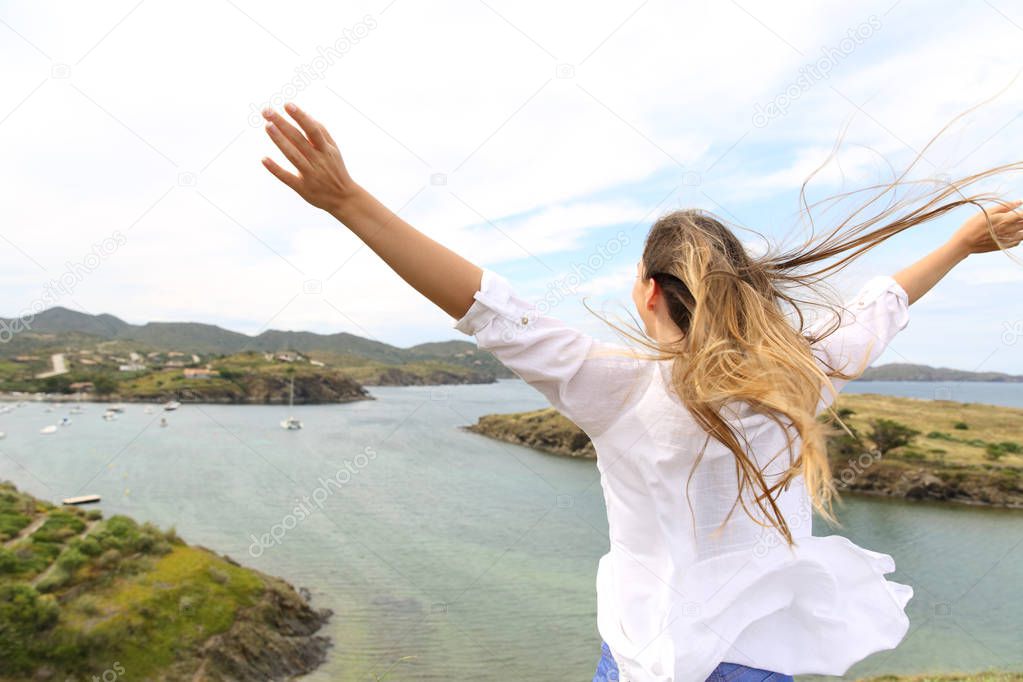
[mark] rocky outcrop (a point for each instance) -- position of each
(274, 640)
(396, 376)
(545, 430)
(949, 484)
(889, 476)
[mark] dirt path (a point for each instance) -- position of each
(28, 530)
(49, 569)
(59, 367)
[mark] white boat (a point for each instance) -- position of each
(2, 435)
(47, 430)
(172, 405)
(118, 407)
(163, 421)
(148, 409)
(77, 409)
(291, 423)
(65, 421)
(82, 499)
(109, 416)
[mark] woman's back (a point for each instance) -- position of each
(691, 579)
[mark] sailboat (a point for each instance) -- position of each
(291, 423)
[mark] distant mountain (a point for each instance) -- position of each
(72, 328)
(62, 320)
(903, 371)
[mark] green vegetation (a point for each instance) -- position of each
(884, 454)
(78, 592)
(888, 434)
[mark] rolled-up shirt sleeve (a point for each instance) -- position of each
(869, 322)
(587, 380)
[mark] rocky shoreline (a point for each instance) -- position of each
(82, 597)
(908, 472)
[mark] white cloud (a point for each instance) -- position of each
(459, 87)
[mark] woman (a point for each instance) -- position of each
(710, 450)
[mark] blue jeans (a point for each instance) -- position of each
(607, 671)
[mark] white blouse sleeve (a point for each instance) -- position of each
(588, 381)
(869, 321)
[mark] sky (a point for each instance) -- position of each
(531, 137)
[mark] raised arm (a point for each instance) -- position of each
(433, 270)
(880, 309)
(567, 366)
(973, 237)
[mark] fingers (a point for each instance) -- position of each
(1005, 206)
(293, 134)
(313, 129)
(289, 179)
(287, 147)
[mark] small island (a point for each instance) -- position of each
(83, 598)
(968, 453)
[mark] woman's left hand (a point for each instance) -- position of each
(322, 180)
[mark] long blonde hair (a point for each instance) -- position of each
(739, 342)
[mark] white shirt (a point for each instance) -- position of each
(675, 598)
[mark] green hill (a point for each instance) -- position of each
(81, 596)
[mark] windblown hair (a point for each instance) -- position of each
(745, 335)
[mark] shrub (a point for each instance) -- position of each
(54, 580)
(994, 451)
(109, 559)
(88, 605)
(59, 526)
(8, 561)
(962, 426)
(71, 560)
(889, 434)
(24, 614)
(11, 524)
(89, 546)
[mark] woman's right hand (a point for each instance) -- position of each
(975, 236)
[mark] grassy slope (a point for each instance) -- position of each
(986, 423)
(942, 462)
(80, 593)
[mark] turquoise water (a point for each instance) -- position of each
(449, 556)
(991, 392)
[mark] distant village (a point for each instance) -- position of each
(192, 365)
